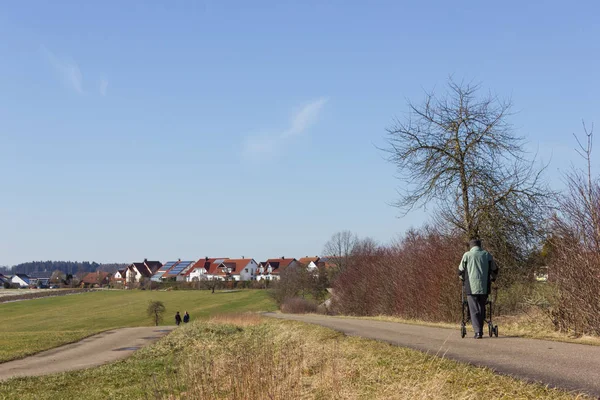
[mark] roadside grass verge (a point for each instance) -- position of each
(249, 357)
(532, 324)
(32, 326)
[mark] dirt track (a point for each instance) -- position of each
(90, 352)
(564, 365)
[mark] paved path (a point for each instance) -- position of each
(564, 365)
(90, 352)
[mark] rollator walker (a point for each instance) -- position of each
(489, 305)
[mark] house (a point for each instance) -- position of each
(272, 268)
(98, 278)
(311, 263)
(158, 275)
(238, 269)
(4, 280)
(20, 279)
(40, 278)
(177, 271)
(119, 277)
(329, 262)
(138, 271)
(217, 270)
(199, 270)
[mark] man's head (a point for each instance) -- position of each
(474, 242)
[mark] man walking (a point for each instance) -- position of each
(177, 318)
(477, 269)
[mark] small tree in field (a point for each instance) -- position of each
(155, 310)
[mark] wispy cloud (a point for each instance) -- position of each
(305, 117)
(67, 70)
(103, 86)
(300, 122)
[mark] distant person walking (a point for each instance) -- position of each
(186, 318)
(177, 318)
(477, 270)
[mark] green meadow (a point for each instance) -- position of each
(31, 326)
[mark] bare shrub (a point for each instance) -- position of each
(298, 305)
(575, 251)
(296, 281)
(414, 278)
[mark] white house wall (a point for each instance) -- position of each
(252, 266)
(19, 281)
(137, 275)
(197, 273)
(311, 266)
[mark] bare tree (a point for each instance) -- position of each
(57, 277)
(338, 249)
(580, 205)
(575, 249)
(459, 152)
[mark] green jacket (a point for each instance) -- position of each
(477, 268)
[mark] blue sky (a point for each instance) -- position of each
(181, 129)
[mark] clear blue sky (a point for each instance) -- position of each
(187, 129)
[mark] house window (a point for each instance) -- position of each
(246, 270)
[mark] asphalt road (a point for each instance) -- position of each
(564, 365)
(95, 350)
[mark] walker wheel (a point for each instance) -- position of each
(496, 330)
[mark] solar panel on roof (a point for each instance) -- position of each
(157, 277)
(219, 261)
(180, 267)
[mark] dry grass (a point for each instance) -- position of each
(532, 324)
(298, 305)
(277, 360)
(536, 325)
(239, 319)
(247, 357)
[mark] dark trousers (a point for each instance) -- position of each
(477, 310)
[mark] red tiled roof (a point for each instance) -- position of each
(277, 264)
(204, 263)
(328, 262)
(308, 260)
(93, 277)
(282, 262)
(214, 267)
(237, 264)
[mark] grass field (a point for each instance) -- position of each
(246, 357)
(31, 326)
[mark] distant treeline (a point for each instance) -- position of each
(67, 267)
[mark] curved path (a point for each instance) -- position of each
(90, 352)
(563, 365)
